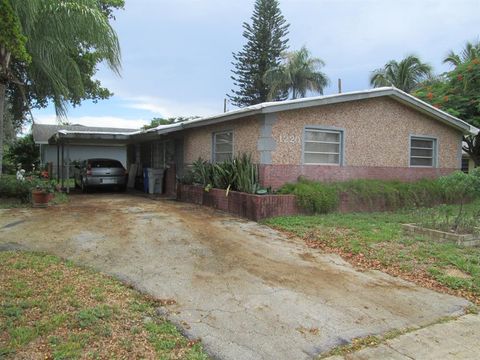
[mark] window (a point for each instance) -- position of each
(423, 151)
(322, 146)
(105, 163)
(465, 164)
(222, 146)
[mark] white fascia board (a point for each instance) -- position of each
(73, 132)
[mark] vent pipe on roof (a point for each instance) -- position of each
(225, 105)
(339, 86)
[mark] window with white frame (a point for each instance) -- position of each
(422, 151)
(222, 146)
(322, 146)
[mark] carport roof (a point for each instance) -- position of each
(43, 132)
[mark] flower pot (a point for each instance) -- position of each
(40, 198)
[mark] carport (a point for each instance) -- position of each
(144, 150)
(64, 139)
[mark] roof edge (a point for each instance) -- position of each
(288, 105)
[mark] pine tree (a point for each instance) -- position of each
(266, 41)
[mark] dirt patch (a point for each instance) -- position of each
(451, 271)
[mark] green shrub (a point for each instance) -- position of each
(459, 187)
(315, 197)
(447, 218)
(323, 197)
(475, 173)
(246, 179)
(239, 173)
(224, 175)
(202, 172)
(10, 187)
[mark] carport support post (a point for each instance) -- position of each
(63, 165)
(68, 170)
(58, 162)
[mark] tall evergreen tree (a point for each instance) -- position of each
(266, 41)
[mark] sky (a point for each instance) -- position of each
(176, 55)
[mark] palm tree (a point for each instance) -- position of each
(46, 35)
(470, 51)
(298, 74)
(405, 75)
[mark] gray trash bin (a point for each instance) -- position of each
(155, 180)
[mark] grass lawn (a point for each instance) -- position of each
(52, 309)
(375, 240)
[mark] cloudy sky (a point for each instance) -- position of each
(176, 55)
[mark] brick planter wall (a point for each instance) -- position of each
(253, 207)
(277, 175)
(257, 207)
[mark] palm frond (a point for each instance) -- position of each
(298, 74)
(404, 75)
(56, 31)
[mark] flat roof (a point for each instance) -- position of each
(43, 132)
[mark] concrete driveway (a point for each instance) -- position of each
(246, 290)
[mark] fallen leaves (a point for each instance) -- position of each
(327, 240)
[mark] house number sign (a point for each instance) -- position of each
(290, 139)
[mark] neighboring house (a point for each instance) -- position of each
(381, 133)
(467, 163)
(49, 153)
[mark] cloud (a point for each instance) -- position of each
(169, 108)
(102, 121)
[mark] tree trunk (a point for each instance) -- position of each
(473, 148)
(2, 113)
(4, 63)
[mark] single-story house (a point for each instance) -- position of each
(381, 133)
(467, 163)
(50, 153)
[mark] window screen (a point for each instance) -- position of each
(322, 147)
(222, 146)
(422, 151)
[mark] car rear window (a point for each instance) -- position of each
(105, 163)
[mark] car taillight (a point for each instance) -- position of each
(89, 169)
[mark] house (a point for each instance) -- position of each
(467, 162)
(49, 153)
(381, 133)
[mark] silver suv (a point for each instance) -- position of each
(100, 173)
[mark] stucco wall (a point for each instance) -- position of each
(198, 141)
(376, 133)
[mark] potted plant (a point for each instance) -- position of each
(42, 193)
